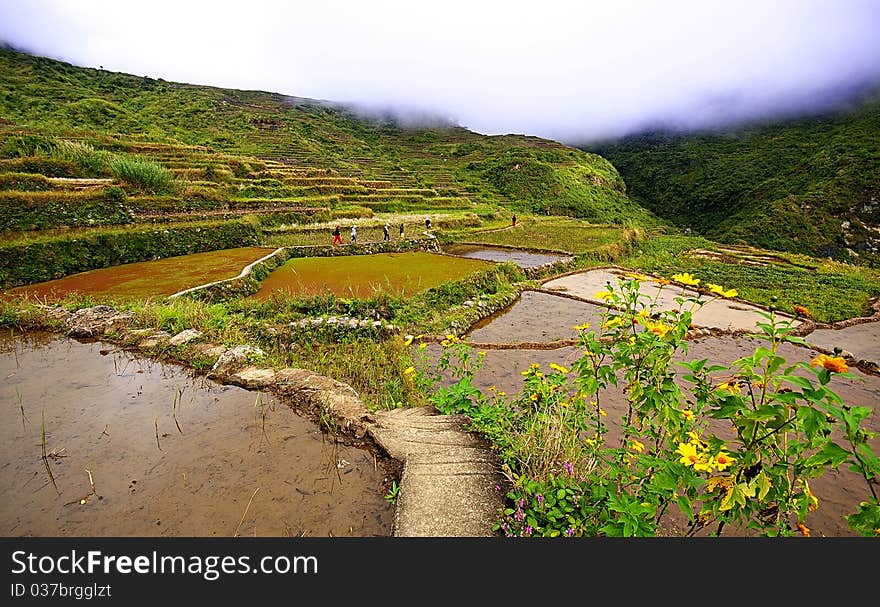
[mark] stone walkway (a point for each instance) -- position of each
(449, 475)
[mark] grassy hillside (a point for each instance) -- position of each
(221, 144)
(809, 186)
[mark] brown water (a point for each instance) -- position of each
(536, 317)
(839, 492)
(144, 279)
(101, 409)
(400, 274)
(524, 259)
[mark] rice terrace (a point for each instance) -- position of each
(186, 350)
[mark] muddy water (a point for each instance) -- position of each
(536, 317)
(724, 314)
(862, 340)
(524, 259)
(101, 411)
(839, 492)
(400, 274)
(158, 278)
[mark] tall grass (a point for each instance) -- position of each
(142, 174)
(88, 161)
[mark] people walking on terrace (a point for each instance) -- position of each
(385, 235)
(427, 222)
(337, 235)
(354, 234)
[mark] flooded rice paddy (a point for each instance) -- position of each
(399, 274)
(140, 448)
(536, 317)
(141, 280)
(716, 313)
(524, 259)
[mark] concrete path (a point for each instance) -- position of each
(449, 475)
(720, 314)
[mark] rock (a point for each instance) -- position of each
(468, 303)
(232, 359)
(154, 340)
(210, 350)
(252, 378)
(95, 321)
(183, 337)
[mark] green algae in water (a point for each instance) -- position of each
(400, 274)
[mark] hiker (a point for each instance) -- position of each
(401, 231)
(427, 222)
(385, 235)
(354, 234)
(337, 235)
(513, 220)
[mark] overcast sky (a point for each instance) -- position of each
(572, 71)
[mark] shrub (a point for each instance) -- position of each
(737, 448)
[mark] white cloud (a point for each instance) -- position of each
(566, 70)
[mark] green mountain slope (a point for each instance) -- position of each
(114, 111)
(810, 185)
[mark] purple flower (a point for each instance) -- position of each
(497, 487)
(568, 467)
(569, 532)
(528, 530)
(521, 502)
(540, 498)
(520, 515)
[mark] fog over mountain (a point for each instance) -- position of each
(572, 71)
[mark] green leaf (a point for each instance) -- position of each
(762, 482)
(685, 504)
(831, 454)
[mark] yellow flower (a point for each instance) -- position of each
(613, 322)
(802, 311)
(445, 343)
(695, 438)
(492, 388)
(409, 371)
(481, 354)
(635, 276)
(803, 529)
(658, 329)
(535, 366)
(721, 461)
(835, 364)
(502, 393)
(582, 327)
(731, 387)
(688, 414)
(602, 412)
(637, 446)
(688, 453)
(423, 345)
(604, 295)
(719, 290)
(559, 368)
(409, 340)
(534, 397)
(663, 282)
(686, 279)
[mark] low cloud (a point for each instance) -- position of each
(573, 71)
